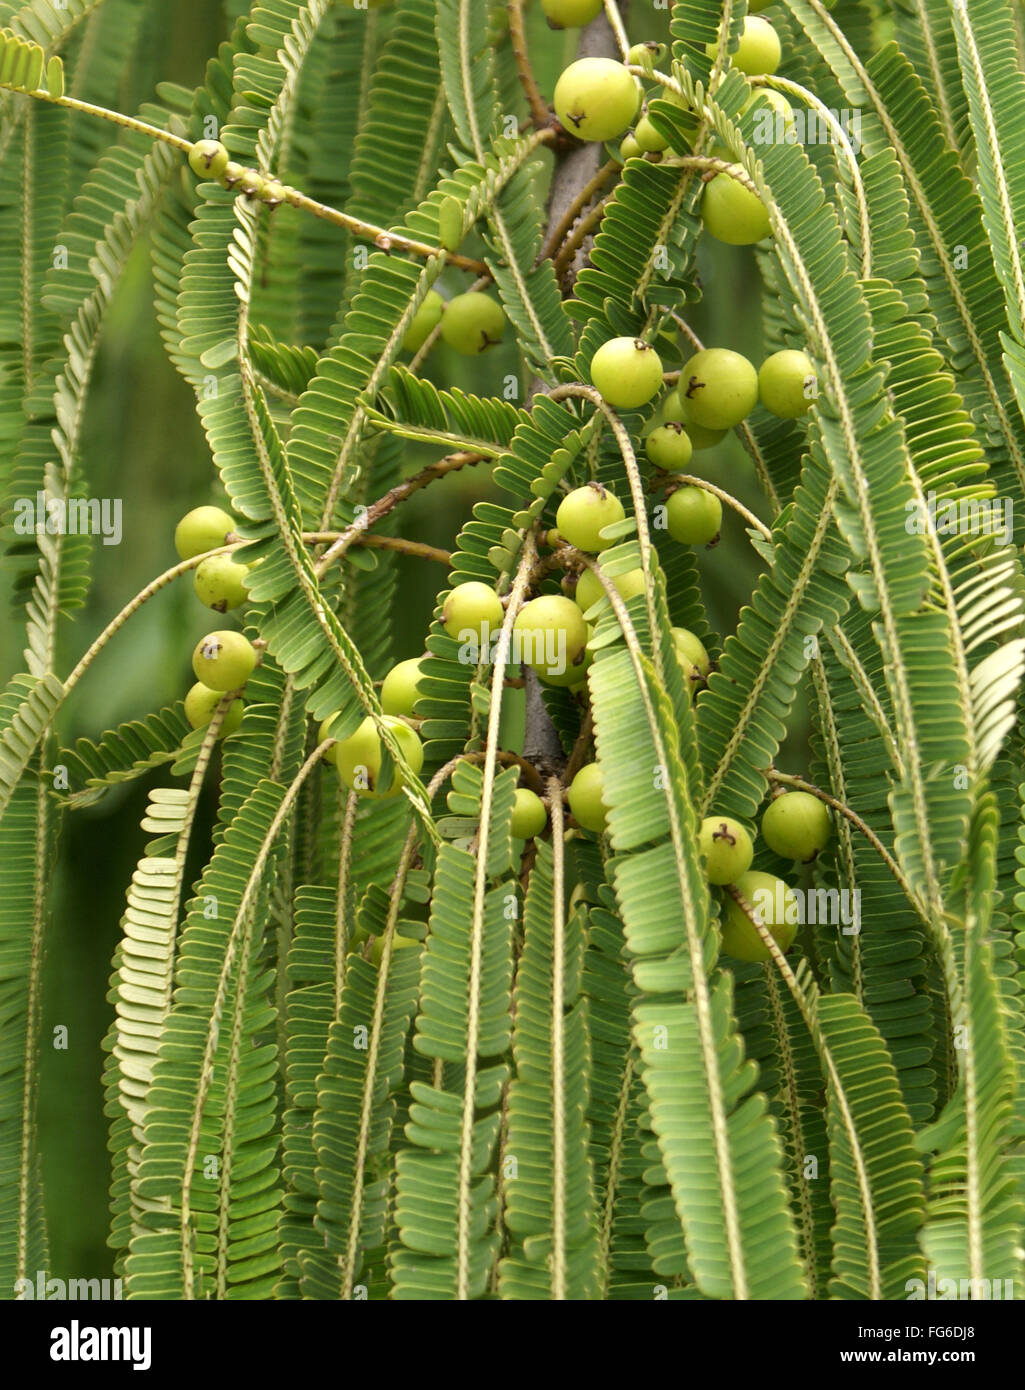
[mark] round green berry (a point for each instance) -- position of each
(732, 213)
(202, 529)
(719, 388)
(629, 148)
(220, 583)
(797, 825)
(208, 159)
(200, 704)
(691, 650)
(585, 798)
(784, 122)
(693, 516)
(571, 14)
(596, 99)
(627, 372)
(401, 688)
(759, 52)
(590, 589)
(584, 513)
(727, 849)
(773, 902)
(676, 412)
(669, 447)
(472, 612)
(529, 816)
(425, 321)
(224, 660)
(551, 638)
(787, 384)
(358, 758)
(646, 55)
(648, 137)
(472, 323)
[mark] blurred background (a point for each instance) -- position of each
(143, 443)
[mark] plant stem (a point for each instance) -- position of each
(576, 207)
(538, 106)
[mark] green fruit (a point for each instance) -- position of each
(472, 323)
(529, 816)
(693, 516)
(596, 99)
(797, 825)
(208, 159)
(773, 902)
(629, 148)
(648, 137)
(759, 52)
(358, 758)
(676, 412)
(200, 704)
(401, 688)
(732, 213)
(425, 321)
(691, 650)
(590, 589)
(719, 388)
(584, 513)
(669, 447)
(727, 849)
(203, 529)
(571, 14)
(585, 798)
(646, 55)
(232, 174)
(783, 119)
(787, 384)
(398, 943)
(220, 583)
(224, 660)
(551, 638)
(627, 372)
(472, 611)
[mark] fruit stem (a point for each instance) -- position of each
(407, 547)
(538, 106)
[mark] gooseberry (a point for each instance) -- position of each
(693, 516)
(472, 610)
(676, 412)
(590, 589)
(200, 704)
(718, 388)
(627, 372)
(472, 322)
(648, 137)
(208, 159)
(585, 798)
(691, 650)
(529, 816)
(629, 148)
(776, 906)
(727, 849)
(596, 98)
(401, 687)
(797, 825)
(551, 637)
(669, 447)
(224, 660)
(584, 513)
(787, 384)
(220, 583)
(202, 529)
(425, 321)
(732, 213)
(571, 14)
(358, 758)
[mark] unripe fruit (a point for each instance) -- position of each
(208, 159)
(590, 588)
(425, 321)
(200, 704)
(220, 583)
(691, 650)
(584, 513)
(627, 372)
(472, 610)
(733, 214)
(585, 798)
(719, 388)
(787, 384)
(596, 99)
(759, 52)
(784, 119)
(629, 148)
(693, 516)
(646, 55)
(675, 411)
(648, 137)
(529, 816)
(232, 174)
(224, 660)
(551, 638)
(797, 825)
(571, 14)
(772, 901)
(727, 849)
(401, 688)
(669, 447)
(202, 529)
(472, 323)
(358, 758)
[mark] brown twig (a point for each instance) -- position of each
(564, 226)
(539, 111)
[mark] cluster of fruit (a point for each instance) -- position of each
(224, 660)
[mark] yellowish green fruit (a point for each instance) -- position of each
(401, 687)
(586, 799)
(590, 589)
(571, 14)
(398, 943)
(627, 372)
(425, 321)
(551, 637)
(797, 826)
(220, 583)
(584, 513)
(726, 847)
(472, 612)
(529, 816)
(472, 323)
(202, 529)
(359, 757)
(596, 99)
(787, 384)
(669, 447)
(776, 906)
(648, 137)
(719, 388)
(208, 159)
(693, 516)
(732, 213)
(691, 650)
(224, 660)
(200, 704)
